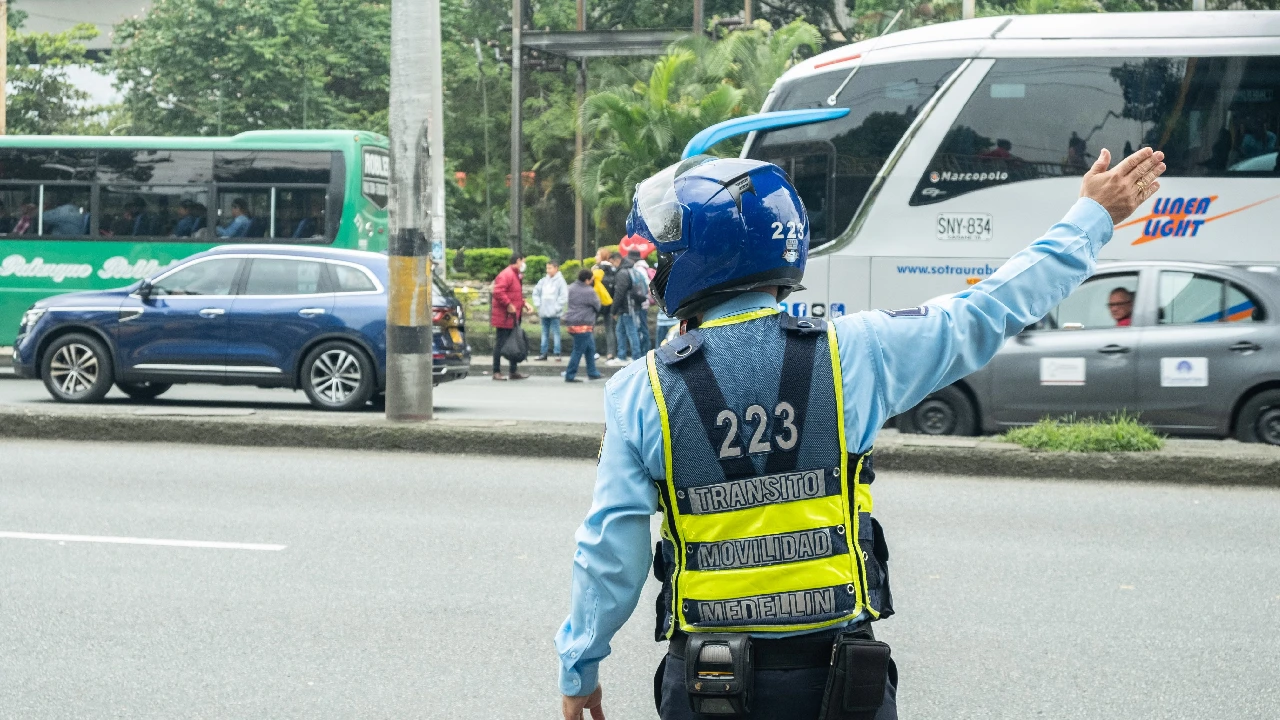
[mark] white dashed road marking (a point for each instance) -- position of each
(140, 541)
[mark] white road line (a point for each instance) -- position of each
(140, 541)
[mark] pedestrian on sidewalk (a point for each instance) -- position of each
(608, 274)
(643, 274)
(626, 302)
(507, 310)
(580, 319)
(550, 296)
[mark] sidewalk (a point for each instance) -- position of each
(1181, 461)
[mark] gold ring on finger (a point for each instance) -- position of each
(1142, 184)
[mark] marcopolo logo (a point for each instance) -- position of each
(17, 266)
(948, 176)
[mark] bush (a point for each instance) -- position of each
(652, 259)
(1119, 433)
(535, 268)
(570, 268)
(485, 263)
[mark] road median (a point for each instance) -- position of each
(1180, 461)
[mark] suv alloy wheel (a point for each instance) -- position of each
(77, 368)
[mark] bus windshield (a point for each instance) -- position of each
(833, 163)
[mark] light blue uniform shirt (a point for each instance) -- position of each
(889, 365)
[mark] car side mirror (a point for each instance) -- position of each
(145, 289)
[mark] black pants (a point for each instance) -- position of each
(779, 694)
(498, 341)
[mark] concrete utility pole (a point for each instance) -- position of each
(4, 67)
(747, 18)
(579, 213)
(698, 23)
(435, 136)
(516, 96)
(1197, 5)
(967, 9)
(409, 363)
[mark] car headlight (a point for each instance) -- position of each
(30, 317)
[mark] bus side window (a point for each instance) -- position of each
(276, 195)
(1038, 118)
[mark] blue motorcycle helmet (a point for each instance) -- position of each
(722, 226)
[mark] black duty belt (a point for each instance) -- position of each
(791, 653)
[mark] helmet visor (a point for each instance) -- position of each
(661, 212)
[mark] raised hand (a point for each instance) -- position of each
(1122, 189)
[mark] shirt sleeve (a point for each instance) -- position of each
(612, 558)
(905, 355)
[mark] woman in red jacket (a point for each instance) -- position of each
(508, 307)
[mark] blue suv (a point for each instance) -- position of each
(271, 316)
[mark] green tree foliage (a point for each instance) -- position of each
(204, 67)
(753, 58)
(638, 129)
(41, 99)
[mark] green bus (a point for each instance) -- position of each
(94, 212)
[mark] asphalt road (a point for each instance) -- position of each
(418, 586)
(537, 398)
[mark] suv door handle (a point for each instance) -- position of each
(212, 312)
(311, 312)
(1244, 346)
(1113, 349)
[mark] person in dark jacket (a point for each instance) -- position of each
(610, 274)
(508, 307)
(624, 312)
(580, 319)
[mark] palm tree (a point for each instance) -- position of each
(754, 58)
(637, 130)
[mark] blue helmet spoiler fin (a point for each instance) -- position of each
(763, 121)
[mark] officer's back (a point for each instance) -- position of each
(752, 434)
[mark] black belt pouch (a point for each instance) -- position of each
(856, 682)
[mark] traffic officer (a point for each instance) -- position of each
(752, 434)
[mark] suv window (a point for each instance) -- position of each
(351, 279)
(1102, 302)
(832, 164)
(283, 276)
(1187, 298)
(204, 277)
(1043, 118)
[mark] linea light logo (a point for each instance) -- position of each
(1181, 217)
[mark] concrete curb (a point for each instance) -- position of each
(479, 437)
(1181, 462)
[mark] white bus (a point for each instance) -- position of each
(966, 140)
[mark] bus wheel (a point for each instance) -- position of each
(143, 390)
(77, 368)
(1259, 419)
(946, 412)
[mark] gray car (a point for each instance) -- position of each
(1193, 348)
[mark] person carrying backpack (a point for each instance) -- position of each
(625, 310)
(640, 275)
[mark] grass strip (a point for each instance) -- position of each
(1121, 432)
